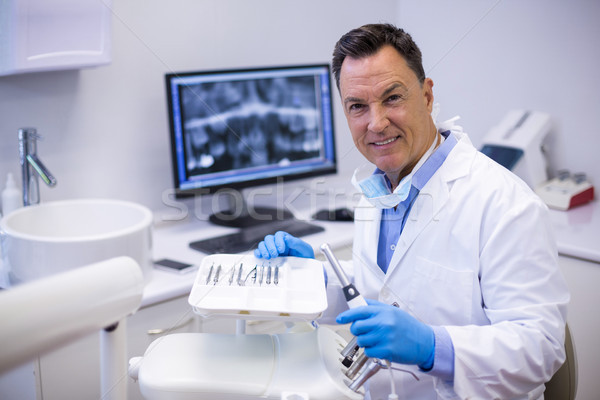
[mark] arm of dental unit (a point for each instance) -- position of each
(360, 367)
(46, 314)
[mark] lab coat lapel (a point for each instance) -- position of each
(427, 205)
(370, 220)
(430, 202)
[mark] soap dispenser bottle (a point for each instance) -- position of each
(11, 196)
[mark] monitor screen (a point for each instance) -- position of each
(240, 128)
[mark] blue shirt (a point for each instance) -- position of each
(394, 219)
(391, 227)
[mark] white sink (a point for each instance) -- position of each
(45, 239)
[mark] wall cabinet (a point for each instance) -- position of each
(44, 35)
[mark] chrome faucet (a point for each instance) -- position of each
(32, 166)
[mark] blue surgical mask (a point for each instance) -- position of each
(378, 193)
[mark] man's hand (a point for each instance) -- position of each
(283, 244)
(389, 333)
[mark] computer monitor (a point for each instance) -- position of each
(247, 127)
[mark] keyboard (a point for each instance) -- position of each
(248, 238)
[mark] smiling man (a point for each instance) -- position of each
(388, 110)
(455, 250)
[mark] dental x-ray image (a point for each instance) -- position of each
(238, 124)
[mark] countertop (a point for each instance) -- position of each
(577, 232)
(170, 240)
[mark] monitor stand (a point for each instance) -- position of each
(241, 215)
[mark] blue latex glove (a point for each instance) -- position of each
(283, 244)
(389, 333)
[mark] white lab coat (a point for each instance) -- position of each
(478, 257)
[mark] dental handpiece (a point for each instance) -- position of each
(370, 369)
(349, 352)
(353, 297)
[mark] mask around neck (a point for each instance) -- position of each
(376, 190)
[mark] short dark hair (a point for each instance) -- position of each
(368, 39)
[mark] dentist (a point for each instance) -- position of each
(455, 250)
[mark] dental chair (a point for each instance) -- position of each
(294, 365)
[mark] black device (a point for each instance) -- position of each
(167, 264)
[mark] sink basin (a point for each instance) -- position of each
(45, 239)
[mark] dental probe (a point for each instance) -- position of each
(232, 275)
(216, 278)
(239, 278)
(209, 274)
(353, 297)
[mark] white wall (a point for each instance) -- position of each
(106, 130)
(488, 56)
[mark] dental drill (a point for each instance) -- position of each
(361, 369)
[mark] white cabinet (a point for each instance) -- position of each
(583, 279)
(44, 35)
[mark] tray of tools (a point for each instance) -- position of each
(246, 287)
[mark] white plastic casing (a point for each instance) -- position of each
(44, 315)
(198, 366)
(527, 131)
(565, 194)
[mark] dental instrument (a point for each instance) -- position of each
(216, 278)
(268, 275)
(209, 274)
(239, 278)
(232, 275)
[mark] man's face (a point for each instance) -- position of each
(388, 111)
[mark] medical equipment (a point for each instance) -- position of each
(517, 143)
(566, 191)
(300, 365)
(353, 298)
(366, 367)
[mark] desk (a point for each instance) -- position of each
(171, 239)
